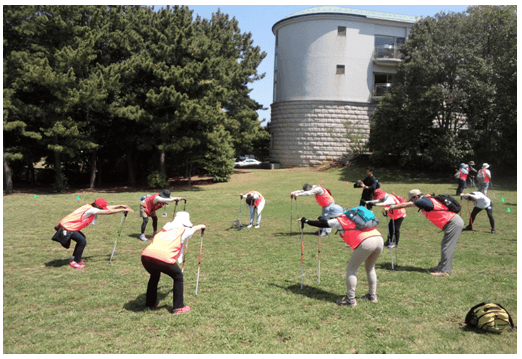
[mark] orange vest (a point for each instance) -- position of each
(149, 206)
(353, 236)
(165, 246)
(462, 175)
(396, 213)
(324, 199)
(75, 221)
(440, 215)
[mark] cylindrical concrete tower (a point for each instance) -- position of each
(331, 65)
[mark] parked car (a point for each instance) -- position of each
(247, 162)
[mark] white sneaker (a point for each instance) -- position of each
(257, 226)
(249, 226)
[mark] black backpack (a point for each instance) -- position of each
(449, 201)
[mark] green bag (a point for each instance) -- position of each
(490, 317)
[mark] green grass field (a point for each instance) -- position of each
(249, 296)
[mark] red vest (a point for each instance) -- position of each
(256, 203)
(353, 236)
(486, 177)
(165, 246)
(440, 215)
(396, 213)
(324, 199)
(75, 221)
(149, 206)
(462, 175)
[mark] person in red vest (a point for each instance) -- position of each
(255, 202)
(438, 214)
(323, 198)
(163, 256)
(383, 199)
(71, 225)
(367, 246)
(148, 208)
(484, 178)
(463, 176)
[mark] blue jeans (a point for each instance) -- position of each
(329, 212)
(81, 242)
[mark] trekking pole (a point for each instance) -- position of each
(470, 221)
(396, 244)
(175, 207)
(240, 205)
(185, 256)
(199, 261)
(185, 204)
(302, 253)
(291, 213)
(123, 216)
(389, 240)
(319, 259)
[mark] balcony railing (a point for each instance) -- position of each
(387, 54)
(379, 90)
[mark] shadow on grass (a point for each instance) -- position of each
(400, 268)
(65, 262)
(310, 292)
(138, 304)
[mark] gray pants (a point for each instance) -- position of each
(368, 251)
(483, 187)
(452, 232)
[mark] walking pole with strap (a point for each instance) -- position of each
(389, 239)
(199, 260)
(302, 253)
(396, 244)
(175, 207)
(291, 212)
(185, 204)
(185, 256)
(123, 216)
(319, 259)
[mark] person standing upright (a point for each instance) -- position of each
(463, 176)
(369, 185)
(484, 179)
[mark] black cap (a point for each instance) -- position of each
(165, 193)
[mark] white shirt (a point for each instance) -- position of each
(316, 190)
(93, 211)
(480, 199)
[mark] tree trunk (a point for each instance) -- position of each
(8, 180)
(58, 172)
(130, 168)
(162, 162)
(93, 170)
(189, 173)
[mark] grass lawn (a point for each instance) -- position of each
(249, 296)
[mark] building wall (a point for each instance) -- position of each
(306, 133)
(311, 101)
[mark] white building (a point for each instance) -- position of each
(331, 66)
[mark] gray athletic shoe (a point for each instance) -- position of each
(346, 302)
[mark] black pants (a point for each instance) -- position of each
(155, 268)
(154, 224)
(394, 227)
(460, 188)
(81, 242)
(489, 211)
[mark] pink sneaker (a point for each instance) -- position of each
(77, 265)
(81, 262)
(181, 310)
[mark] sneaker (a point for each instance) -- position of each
(249, 226)
(154, 234)
(346, 302)
(76, 265)
(72, 260)
(324, 234)
(440, 274)
(468, 228)
(181, 310)
(143, 238)
(371, 298)
(392, 245)
(493, 231)
(434, 269)
(257, 226)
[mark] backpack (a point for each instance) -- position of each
(143, 197)
(450, 202)
(456, 175)
(490, 317)
(481, 175)
(363, 218)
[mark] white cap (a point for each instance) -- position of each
(181, 220)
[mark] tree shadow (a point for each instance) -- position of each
(310, 292)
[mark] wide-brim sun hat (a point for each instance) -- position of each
(181, 220)
(413, 193)
(485, 165)
(378, 194)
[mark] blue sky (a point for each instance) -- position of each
(259, 19)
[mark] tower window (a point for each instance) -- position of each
(340, 70)
(341, 30)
